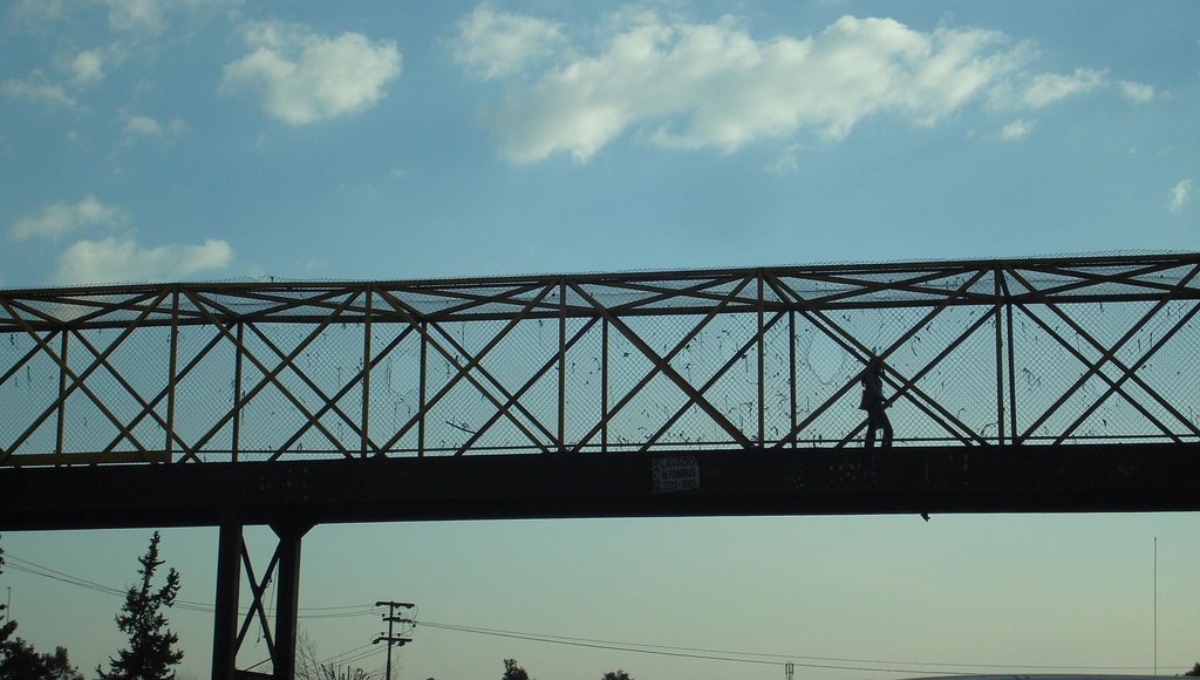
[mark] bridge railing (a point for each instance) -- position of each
(1025, 352)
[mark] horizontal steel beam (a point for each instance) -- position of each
(1076, 478)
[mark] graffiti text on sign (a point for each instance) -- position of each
(677, 473)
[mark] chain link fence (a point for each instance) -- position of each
(980, 354)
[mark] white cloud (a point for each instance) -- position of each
(87, 67)
(786, 163)
(1181, 194)
(143, 16)
(1139, 93)
(304, 77)
(144, 127)
(120, 260)
(54, 95)
(60, 219)
(37, 13)
(493, 44)
(713, 85)
(1047, 88)
(154, 17)
(1018, 129)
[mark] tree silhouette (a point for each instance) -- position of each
(309, 668)
(1195, 670)
(20, 661)
(513, 672)
(619, 675)
(151, 654)
(6, 629)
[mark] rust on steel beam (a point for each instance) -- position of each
(1083, 478)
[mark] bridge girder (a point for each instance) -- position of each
(1082, 478)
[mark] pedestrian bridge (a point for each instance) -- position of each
(1024, 352)
(1034, 357)
(1021, 385)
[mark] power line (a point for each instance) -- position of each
(352, 611)
(659, 650)
(23, 565)
(391, 637)
(349, 657)
(834, 663)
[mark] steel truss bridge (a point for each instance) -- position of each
(1025, 385)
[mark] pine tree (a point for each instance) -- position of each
(20, 661)
(6, 629)
(151, 654)
(512, 671)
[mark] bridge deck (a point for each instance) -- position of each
(1079, 478)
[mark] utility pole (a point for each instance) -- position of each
(392, 638)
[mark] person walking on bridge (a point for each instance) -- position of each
(874, 403)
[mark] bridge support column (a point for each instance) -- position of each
(284, 570)
(225, 618)
(288, 602)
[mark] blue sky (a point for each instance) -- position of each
(219, 139)
(212, 139)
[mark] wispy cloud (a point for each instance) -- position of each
(1047, 88)
(1139, 93)
(145, 127)
(713, 85)
(87, 67)
(1018, 129)
(62, 219)
(121, 260)
(145, 16)
(1181, 195)
(35, 89)
(37, 13)
(786, 163)
(492, 44)
(303, 77)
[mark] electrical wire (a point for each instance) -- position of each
(23, 565)
(834, 663)
(425, 640)
(369, 650)
(643, 649)
(17, 564)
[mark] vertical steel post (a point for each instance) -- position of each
(172, 371)
(62, 391)
(225, 618)
(562, 365)
(999, 321)
(287, 606)
(1012, 368)
(792, 377)
(366, 378)
(762, 366)
(235, 445)
(423, 387)
(604, 384)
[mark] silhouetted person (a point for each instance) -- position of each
(875, 405)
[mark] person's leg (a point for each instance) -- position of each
(887, 429)
(872, 425)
